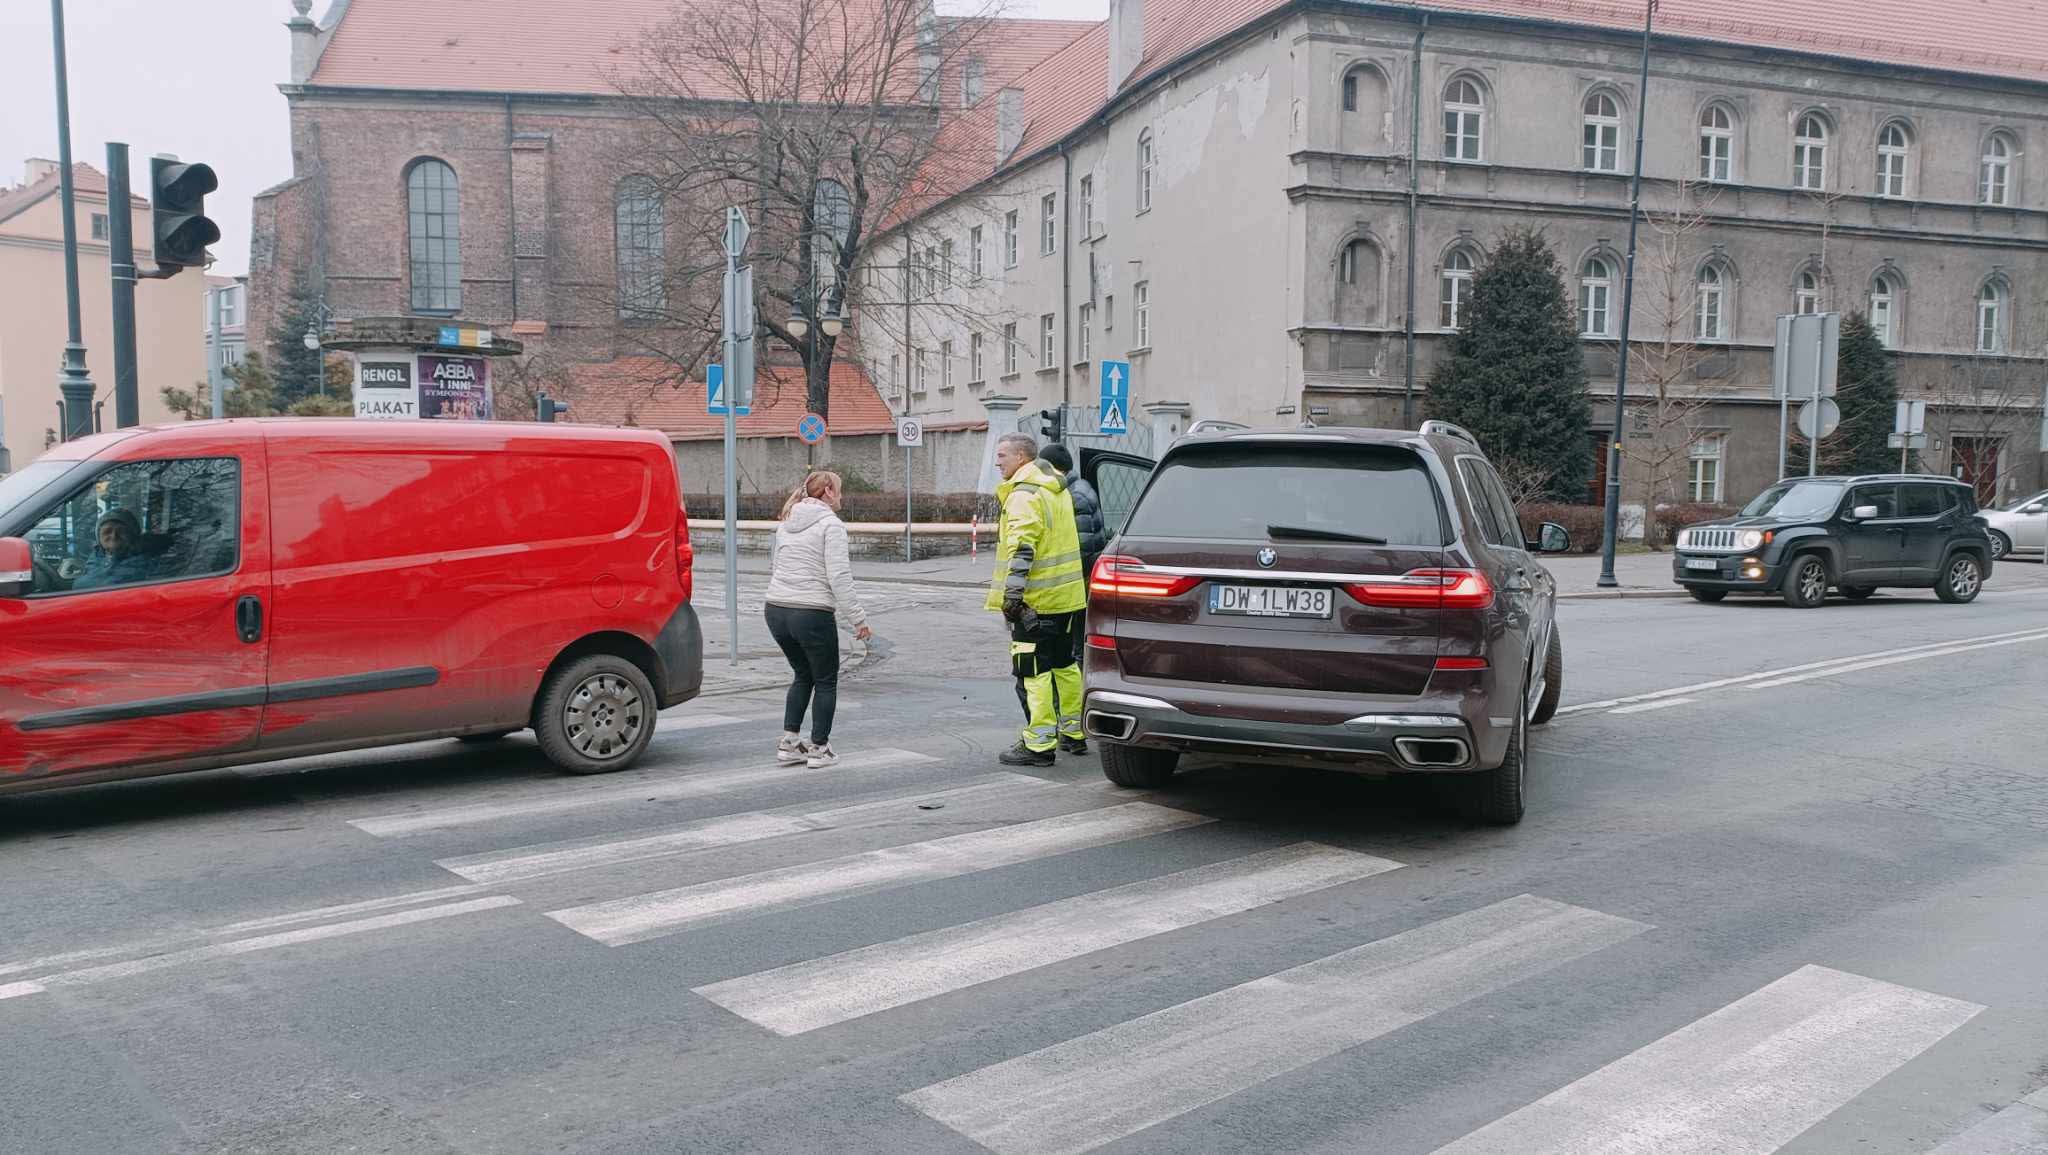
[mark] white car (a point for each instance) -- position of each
(2021, 527)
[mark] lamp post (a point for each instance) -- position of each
(1611, 517)
(73, 382)
(316, 329)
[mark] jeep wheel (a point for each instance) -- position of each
(1553, 680)
(1857, 593)
(595, 715)
(1494, 796)
(1806, 583)
(2000, 545)
(1706, 595)
(1137, 767)
(1961, 580)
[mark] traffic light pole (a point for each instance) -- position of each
(121, 258)
(73, 382)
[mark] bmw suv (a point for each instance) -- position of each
(1357, 599)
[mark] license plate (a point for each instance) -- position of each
(1701, 563)
(1269, 601)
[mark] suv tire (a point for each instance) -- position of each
(1962, 579)
(1137, 767)
(595, 715)
(1806, 581)
(1710, 597)
(2000, 545)
(1553, 679)
(1494, 797)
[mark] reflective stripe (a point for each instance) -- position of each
(1019, 649)
(1051, 581)
(1058, 559)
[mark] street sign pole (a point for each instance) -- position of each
(736, 233)
(908, 478)
(910, 435)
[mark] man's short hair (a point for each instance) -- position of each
(1023, 441)
(1057, 456)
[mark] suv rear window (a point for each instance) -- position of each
(1233, 492)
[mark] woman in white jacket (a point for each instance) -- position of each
(809, 579)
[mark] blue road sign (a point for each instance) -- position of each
(811, 428)
(1116, 397)
(714, 393)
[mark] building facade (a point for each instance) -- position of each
(1230, 207)
(225, 324)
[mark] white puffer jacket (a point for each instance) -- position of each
(811, 569)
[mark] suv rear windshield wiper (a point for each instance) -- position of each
(1306, 533)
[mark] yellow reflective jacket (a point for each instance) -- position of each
(1038, 552)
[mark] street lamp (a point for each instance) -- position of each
(312, 339)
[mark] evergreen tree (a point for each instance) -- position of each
(1515, 376)
(296, 370)
(1867, 391)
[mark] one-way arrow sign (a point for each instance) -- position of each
(1116, 397)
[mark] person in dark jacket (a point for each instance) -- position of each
(1087, 505)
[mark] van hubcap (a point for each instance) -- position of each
(1962, 577)
(604, 716)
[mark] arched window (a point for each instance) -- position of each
(1994, 180)
(1806, 296)
(1810, 153)
(1602, 145)
(641, 240)
(1358, 283)
(1894, 149)
(1351, 92)
(1710, 304)
(1454, 288)
(1464, 109)
(1596, 297)
(1884, 311)
(1717, 144)
(1347, 265)
(1146, 166)
(1991, 318)
(434, 237)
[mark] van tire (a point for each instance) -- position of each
(595, 715)
(1138, 767)
(1495, 797)
(1553, 680)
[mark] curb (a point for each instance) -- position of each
(1606, 595)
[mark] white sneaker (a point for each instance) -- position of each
(790, 750)
(821, 757)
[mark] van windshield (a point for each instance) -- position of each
(25, 485)
(1796, 499)
(1241, 492)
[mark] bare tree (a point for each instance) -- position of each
(1666, 354)
(1992, 402)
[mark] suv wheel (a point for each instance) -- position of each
(2000, 545)
(1494, 796)
(1806, 583)
(1706, 595)
(1137, 767)
(1553, 680)
(595, 715)
(1962, 579)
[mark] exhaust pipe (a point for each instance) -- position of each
(1433, 753)
(1115, 727)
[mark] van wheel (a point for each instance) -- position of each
(1962, 579)
(1494, 796)
(595, 715)
(1137, 767)
(1806, 583)
(486, 739)
(1553, 680)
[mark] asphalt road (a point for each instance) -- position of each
(1779, 887)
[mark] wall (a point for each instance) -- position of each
(948, 463)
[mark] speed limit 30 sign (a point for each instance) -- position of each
(910, 432)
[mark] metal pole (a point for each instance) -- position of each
(908, 473)
(72, 380)
(121, 260)
(732, 481)
(1611, 521)
(1813, 443)
(216, 375)
(1784, 428)
(1414, 207)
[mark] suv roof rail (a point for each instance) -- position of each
(1446, 429)
(1213, 425)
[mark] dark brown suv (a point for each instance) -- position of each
(1358, 599)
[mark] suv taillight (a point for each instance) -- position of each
(685, 556)
(1428, 589)
(1117, 576)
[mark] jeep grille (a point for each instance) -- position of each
(1707, 539)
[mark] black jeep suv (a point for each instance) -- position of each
(1855, 534)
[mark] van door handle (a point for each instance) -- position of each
(249, 618)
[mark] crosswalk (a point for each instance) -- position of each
(721, 845)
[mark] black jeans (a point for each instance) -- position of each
(810, 640)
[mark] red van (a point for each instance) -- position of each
(195, 596)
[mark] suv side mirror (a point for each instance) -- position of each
(1551, 538)
(17, 568)
(1863, 513)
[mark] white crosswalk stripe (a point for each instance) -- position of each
(1746, 1079)
(645, 916)
(806, 996)
(1080, 1094)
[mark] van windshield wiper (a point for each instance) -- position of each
(1306, 533)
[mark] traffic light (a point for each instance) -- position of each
(177, 201)
(1055, 420)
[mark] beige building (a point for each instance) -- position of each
(170, 348)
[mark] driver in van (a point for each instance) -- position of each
(118, 561)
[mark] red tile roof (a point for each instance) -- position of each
(649, 392)
(85, 181)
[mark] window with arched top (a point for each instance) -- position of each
(640, 235)
(1710, 304)
(1596, 297)
(1806, 294)
(1600, 147)
(1991, 318)
(1717, 144)
(1464, 114)
(1994, 178)
(1894, 154)
(434, 237)
(1810, 153)
(1358, 283)
(1454, 288)
(1147, 164)
(1884, 306)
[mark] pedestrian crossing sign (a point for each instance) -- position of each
(1116, 397)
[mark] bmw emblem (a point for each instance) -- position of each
(1267, 557)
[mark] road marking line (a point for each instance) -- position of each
(1761, 675)
(680, 721)
(669, 785)
(501, 866)
(1877, 662)
(663, 912)
(805, 996)
(1085, 1092)
(133, 967)
(2017, 1130)
(1646, 707)
(1748, 1078)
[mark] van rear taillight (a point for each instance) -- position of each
(1428, 589)
(685, 556)
(1118, 576)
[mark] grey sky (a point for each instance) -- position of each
(193, 77)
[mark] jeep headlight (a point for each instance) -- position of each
(1749, 539)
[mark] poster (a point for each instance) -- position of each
(384, 390)
(454, 388)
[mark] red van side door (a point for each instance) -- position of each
(145, 640)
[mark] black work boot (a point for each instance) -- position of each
(1022, 755)
(1073, 745)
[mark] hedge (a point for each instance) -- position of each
(1586, 523)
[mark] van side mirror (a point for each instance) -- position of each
(1863, 513)
(17, 568)
(1552, 538)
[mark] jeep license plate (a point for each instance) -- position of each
(1701, 563)
(1269, 601)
